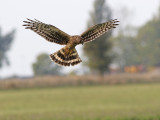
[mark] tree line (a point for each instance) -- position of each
(130, 46)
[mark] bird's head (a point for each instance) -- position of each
(77, 39)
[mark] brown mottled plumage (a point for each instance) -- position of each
(68, 55)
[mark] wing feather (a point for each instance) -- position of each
(96, 31)
(49, 32)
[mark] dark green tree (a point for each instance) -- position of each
(44, 66)
(149, 43)
(5, 44)
(98, 51)
(126, 47)
(141, 48)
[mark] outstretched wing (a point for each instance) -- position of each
(49, 32)
(98, 30)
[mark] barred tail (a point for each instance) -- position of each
(60, 57)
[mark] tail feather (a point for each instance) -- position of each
(60, 57)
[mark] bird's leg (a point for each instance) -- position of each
(68, 51)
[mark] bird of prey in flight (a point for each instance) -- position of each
(68, 55)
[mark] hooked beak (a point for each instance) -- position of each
(82, 41)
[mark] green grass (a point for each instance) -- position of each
(119, 102)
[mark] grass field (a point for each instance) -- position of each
(117, 102)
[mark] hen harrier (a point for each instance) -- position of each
(68, 55)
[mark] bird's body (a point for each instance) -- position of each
(68, 55)
(74, 40)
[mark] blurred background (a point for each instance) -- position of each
(119, 77)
